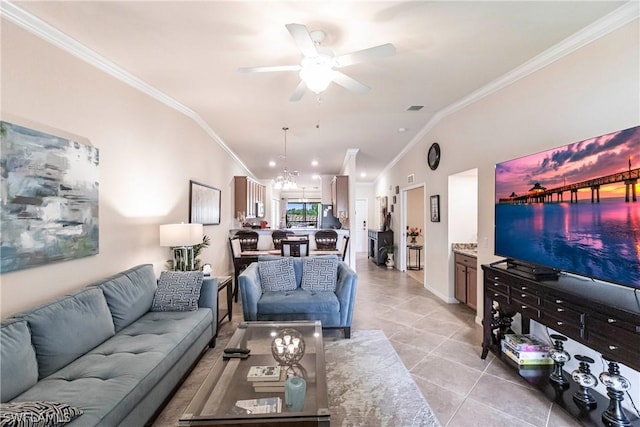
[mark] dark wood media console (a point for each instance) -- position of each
(604, 317)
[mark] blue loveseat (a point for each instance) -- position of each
(103, 351)
(333, 309)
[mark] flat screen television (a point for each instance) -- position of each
(575, 209)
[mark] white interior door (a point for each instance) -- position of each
(360, 226)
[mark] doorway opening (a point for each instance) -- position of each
(413, 222)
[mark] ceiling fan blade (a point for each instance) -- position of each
(299, 92)
(349, 83)
(382, 51)
(302, 38)
(269, 69)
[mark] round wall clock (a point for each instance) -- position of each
(433, 157)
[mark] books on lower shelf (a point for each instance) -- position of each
(267, 405)
(264, 373)
(526, 342)
(271, 386)
(525, 357)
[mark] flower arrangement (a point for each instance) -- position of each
(414, 231)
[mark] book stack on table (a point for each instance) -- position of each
(267, 378)
(527, 350)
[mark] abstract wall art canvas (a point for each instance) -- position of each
(48, 198)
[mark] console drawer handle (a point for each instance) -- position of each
(559, 301)
(560, 310)
(495, 295)
(613, 347)
(496, 278)
(559, 323)
(524, 295)
(523, 288)
(524, 307)
(611, 320)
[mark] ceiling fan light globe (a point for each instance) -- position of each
(317, 73)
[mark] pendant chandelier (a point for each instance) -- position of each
(285, 181)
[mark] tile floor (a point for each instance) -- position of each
(440, 345)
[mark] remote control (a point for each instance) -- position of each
(237, 350)
(227, 356)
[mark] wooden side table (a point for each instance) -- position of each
(225, 282)
(418, 249)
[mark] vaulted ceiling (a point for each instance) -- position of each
(191, 51)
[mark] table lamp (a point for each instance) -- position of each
(181, 237)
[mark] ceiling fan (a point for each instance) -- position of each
(318, 66)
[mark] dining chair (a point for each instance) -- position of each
(326, 239)
(238, 264)
(248, 240)
(278, 236)
(345, 245)
(295, 248)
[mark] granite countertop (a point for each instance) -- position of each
(470, 249)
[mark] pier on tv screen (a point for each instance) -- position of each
(575, 208)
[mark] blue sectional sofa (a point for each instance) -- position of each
(103, 351)
(333, 308)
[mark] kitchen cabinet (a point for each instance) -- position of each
(249, 197)
(466, 275)
(340, 195)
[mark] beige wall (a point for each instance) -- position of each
(415, 212)
(148, 154)
(590, 92)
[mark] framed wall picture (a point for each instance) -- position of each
(435, 208)
(394, 200)
(391, 208)
(204, 204)
(49, 190)
(397, 190)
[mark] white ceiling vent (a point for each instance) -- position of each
(410, 178)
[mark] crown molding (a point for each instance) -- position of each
(56, 37)
(616, 19)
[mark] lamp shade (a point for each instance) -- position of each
(181, 234)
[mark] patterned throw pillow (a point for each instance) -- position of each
(37, 414)
(319, 273)
(177, 291)
(277, 275)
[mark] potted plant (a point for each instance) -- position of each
(389, 249)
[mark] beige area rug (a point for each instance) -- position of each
(368, 385)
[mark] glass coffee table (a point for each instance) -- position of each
(222, 398)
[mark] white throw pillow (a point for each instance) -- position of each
(277, 275)
(319, 273)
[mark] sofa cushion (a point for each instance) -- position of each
(319, 273)
(109, 381)
(18, 365)
(178, 291)
(37, 414)
(129, 294)
(298, 301)
(67, 328)
(277, 275)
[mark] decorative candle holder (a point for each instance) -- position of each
(288, 348)
(559, 357)
(586, 380)
(616, 385)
